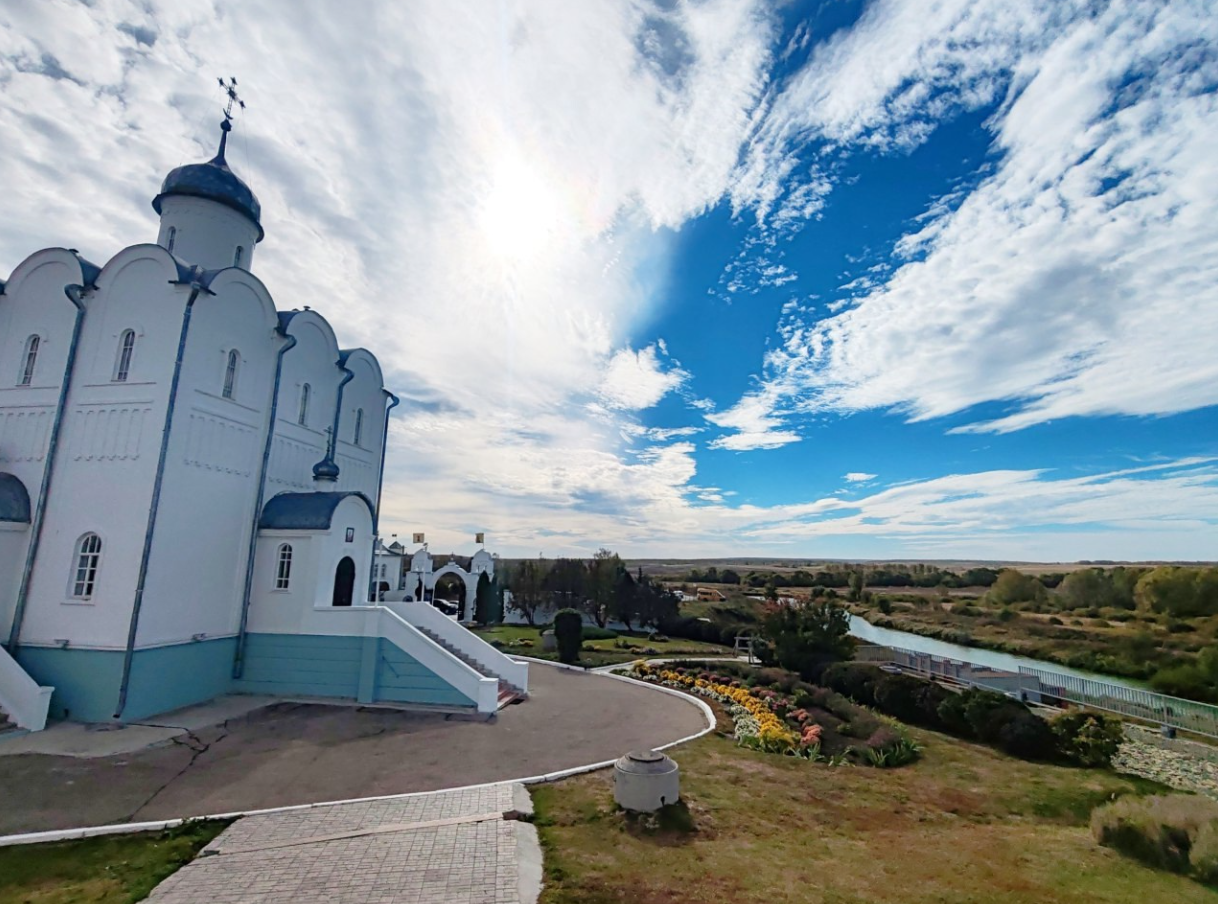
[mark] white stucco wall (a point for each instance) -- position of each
(14, 540)
(197, 569)
(108, 450)
(206, 233)
(316, 554)
(296, 447)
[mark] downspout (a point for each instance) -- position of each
(239, 655)
(129, 653)
(74, 295)
(385, 436)
(326, 469)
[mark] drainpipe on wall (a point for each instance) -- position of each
(74, 293)
(385, 436)
(239, 655)
(197, 286)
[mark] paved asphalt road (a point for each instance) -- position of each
(290, 753)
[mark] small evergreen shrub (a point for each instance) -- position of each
(1027, 736)
(568, 634)
(1174, 832)
(593, 632)
(857, 680)
(1087, 739)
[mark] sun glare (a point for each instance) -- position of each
(521, 213)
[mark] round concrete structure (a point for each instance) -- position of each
(645, 781)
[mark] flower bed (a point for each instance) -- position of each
(769, 720)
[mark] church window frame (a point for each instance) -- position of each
(123, 357)
(237, 255)
(283, 567)
(358, 429)
(86, 565)
(232, 366)
(170, 238)
(29, 359)
(303, 413)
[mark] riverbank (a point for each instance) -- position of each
(1125, 649)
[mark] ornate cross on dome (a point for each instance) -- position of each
(230, 90)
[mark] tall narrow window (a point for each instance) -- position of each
(231, 374)
(169, 239)
(283, 567)
(303, 414)
(88, 554)
(28, 360)
(122, 365)
(359, 426)
(237, 256)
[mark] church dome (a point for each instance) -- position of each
(213, 181)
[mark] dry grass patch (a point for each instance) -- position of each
(964, 824)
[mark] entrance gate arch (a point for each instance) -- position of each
(466, 613)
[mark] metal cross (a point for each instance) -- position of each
(230, 90)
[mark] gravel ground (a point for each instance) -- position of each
(1179, 764)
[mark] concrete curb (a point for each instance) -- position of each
(123, 828)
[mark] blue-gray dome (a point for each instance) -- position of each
(214, 181)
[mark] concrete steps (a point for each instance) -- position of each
(509, 693)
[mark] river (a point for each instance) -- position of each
(1008, 662)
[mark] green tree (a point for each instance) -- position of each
(527, 584)
(807, 639)
(1178, 592)
(856, 585)
(484, 600)
(728, 576)
(1011, 586)
(601, 580)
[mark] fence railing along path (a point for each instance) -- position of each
(1040, 684)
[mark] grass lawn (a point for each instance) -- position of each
(603, 652)
(111, 869)
(964, 824)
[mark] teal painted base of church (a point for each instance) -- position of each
(368, 669)
(87, 682)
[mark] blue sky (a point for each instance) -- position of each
(884, 279)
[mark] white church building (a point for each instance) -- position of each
(190, 482)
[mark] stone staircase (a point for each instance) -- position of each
(6, 724)
(509, 693)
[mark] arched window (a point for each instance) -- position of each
(122, 364)
(303, 414)
(231, 374)
(88, 554)
(359, 426)
(169, 239)
(28, 360)
(237, 256)
(283, 566)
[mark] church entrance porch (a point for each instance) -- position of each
(345, 582)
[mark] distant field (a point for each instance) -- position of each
(787, 566)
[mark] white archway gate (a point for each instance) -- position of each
(470, 584)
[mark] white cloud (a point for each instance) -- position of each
(857, 476)
(1079, 278)
(757, 424)
(636, 380)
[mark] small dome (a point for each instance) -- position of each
(215, 182)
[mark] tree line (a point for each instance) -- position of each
(601, 587)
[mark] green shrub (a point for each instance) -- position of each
(568, 634)
(1087, 739)
(857, 680)
(1024, 735)
(1174, 832)
(593, 632)
(910, 699)
(1053, 620)
(1006, 614)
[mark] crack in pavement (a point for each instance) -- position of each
(198, 747)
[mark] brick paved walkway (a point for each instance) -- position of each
(271, 858)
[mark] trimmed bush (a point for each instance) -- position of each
(568, 634)
(1027, 736)
(1174, 832)
(593, 632)
(857, 680)
(1087, 739)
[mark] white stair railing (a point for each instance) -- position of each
(21, 697)
(426, 617)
